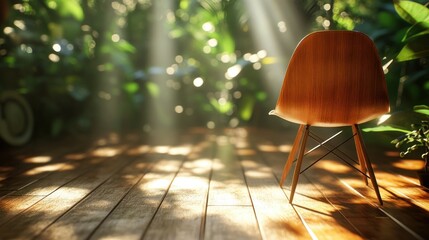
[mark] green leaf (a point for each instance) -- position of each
(385, 129)
(126, 46)
(131, 87)
(414, 49)
(418, 29)
(261, 96)
(246, 110)
(226, 43)
(153, 89)
(411, 12)
(423, 109)
(68, 8)
(10, 60)
(222, 108)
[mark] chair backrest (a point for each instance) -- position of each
(334, 78)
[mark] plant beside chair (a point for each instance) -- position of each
(415, 140)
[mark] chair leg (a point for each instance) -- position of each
(368, 163)
(360, 154)
(299, 163)
(292, 154)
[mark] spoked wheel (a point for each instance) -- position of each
(16, 119)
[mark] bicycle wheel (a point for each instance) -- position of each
(16, 119)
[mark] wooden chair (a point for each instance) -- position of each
(334, 78)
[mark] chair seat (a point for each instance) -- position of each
(325, 123)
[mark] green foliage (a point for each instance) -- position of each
(414, 139)
(417, 36)
(67, 8)
(410, 11)
(385, 129)
(417, 138)
(87, 64)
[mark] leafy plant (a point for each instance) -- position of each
(417, 35)
(417, 138)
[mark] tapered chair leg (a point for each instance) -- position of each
(359, 153)
(368, 163)
(299, 163)
(292, 154)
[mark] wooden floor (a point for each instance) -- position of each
(202, 185)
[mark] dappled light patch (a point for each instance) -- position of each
(222, 140)
(268, 148)
(409, 164)
(189, 182)
(138, 150)
(198, 166)
(38, 159)
(285, 147)
(155, 183)
(107, 151)
(217, 165)
(160, 149)
(179, 150)
(333, 166)
(167, 166)
(246, 152)
(50, 168)
(387, 179)
(68, 193)
(141, 166)
(257, 174)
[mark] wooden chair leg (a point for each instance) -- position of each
(299, 163)
(359, 153)
(292, 154)
(368, 164)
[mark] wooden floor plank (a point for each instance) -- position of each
(403, 187)
(180, 215)
(13, 205)
(322, 219)
(203, 184)
(83, 218)
(35, 219)
(34, 163)
(227, 184)
(358, 204)
(134, 213)
(231, 222)
(46, 185)
(279, 220)
(357, 210)
(402, 211)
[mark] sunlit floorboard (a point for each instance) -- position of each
(201, 185)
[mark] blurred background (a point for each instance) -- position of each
(99, 66)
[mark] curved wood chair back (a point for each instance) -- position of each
(334, 78)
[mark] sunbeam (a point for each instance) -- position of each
(276, 27)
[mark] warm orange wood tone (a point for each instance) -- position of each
(203, 184)
(334, 78)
